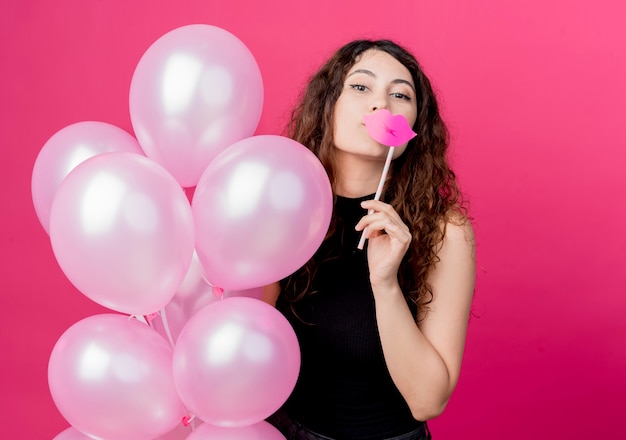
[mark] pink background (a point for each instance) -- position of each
(535, 96)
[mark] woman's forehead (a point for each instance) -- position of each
(376, 61)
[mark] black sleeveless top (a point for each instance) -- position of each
(344, 390)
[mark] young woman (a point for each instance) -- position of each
(381, 330)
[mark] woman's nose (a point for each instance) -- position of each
(379, 102)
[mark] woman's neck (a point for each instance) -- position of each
(355, 177)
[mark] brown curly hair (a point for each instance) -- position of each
(423, 189)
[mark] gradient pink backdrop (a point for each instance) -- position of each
(535, 97)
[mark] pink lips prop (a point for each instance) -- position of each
(388, 129)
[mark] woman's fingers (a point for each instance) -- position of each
(379, 206)
(384, 219)
(389, 238)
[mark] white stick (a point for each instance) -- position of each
(379, 191)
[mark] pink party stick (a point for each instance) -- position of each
(389, 130)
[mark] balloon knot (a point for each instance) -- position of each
(218, 291)
(188, 419)
(151, 316)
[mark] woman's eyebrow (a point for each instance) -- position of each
(365, 71)
(373, 75)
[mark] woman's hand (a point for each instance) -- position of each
(389, 238)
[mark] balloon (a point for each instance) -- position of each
(261, 210)
(258, 431)
(121, 229)
(67, 148)
(110, 377)
(236, 362)
(72, 433)
(193, 294)
(181, 432)
(194, 92)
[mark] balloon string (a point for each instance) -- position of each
(166, 327)
(379, 191)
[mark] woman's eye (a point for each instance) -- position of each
(358, 87)
(401, 96)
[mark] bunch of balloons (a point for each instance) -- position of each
(188, 341)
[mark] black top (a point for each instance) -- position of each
(344, 390)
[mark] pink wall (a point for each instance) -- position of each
(535, 96)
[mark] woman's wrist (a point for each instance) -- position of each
(386, 287)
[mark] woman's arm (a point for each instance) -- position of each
(424, 360)
(270, 293)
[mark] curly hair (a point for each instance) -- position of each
(423, 189)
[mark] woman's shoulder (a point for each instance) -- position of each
(458, 225)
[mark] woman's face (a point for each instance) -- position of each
(376, 81)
